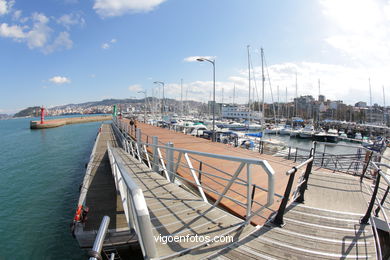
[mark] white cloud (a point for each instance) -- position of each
(135, 88)
(107, 8)
(5, 6)
(13, 31)
(338, 82)
(361, 29)
(108, 45)
(68, 20)
(17, 14)
(62, 41)
(39, 35)
(194, 58)
(59, 80)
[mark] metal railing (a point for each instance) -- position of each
(356, 161)
(134, 205)
(87, 179)
(95, 252)
(298, 195)
(206, 179)
(374, 198)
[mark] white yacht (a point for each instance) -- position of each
(307, 132)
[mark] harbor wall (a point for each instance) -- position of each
(67, 121)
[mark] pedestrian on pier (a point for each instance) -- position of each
(131, 125)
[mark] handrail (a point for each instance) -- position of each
(380, 174)
(135, 206)
(87, 177)
(302, 186)
(295, 168)
(94, 253)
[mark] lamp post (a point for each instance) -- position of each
(144, 105)
(163, 98)
(212, 62)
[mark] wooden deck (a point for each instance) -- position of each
(102, 198)
(325, 227)
(175, 211)
(180, 140)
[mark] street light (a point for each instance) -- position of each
(144, 105)
(212, 62)
(163, 99)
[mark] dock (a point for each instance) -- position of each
(99, 197)
(51, 123)
(180, 140)
(154, 184)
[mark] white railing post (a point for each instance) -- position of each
(147, 156)
(170, 163)
(248, 193)
(200, 189)
(155, 155)
(138, 137)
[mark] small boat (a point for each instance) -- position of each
(332, 136)
(286, 130)
(307, 132)
(358, 136)
(295, 132)
(342, 135)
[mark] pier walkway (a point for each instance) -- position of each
(279, 165)
(99, 197)
(167, 194)
(177, 212)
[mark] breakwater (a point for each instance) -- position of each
(67, 121)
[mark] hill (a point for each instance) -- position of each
(30, 111)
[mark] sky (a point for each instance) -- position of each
(56, 52)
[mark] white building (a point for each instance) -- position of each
(239, 112)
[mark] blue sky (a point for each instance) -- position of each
(57, 52)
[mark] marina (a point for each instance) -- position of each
(194, 130)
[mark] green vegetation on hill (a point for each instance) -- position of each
(30, 111)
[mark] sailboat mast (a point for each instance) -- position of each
(234, 93)
(278, 102)
(286, 107)
(384, 104)
(296, 94)
(249, 82)
(262, 86)
(369, 83)
(181, 97)
(319, 93)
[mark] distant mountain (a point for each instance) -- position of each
(4, 116)
(104, 102)
(30, 111)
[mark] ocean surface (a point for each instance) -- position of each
(40, 174)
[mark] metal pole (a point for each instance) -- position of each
(278, 220)
(155, 154)
(366, 217)
(382, 201)
(98, 244)
(170, 162)
(366, 166)
(213, 139)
